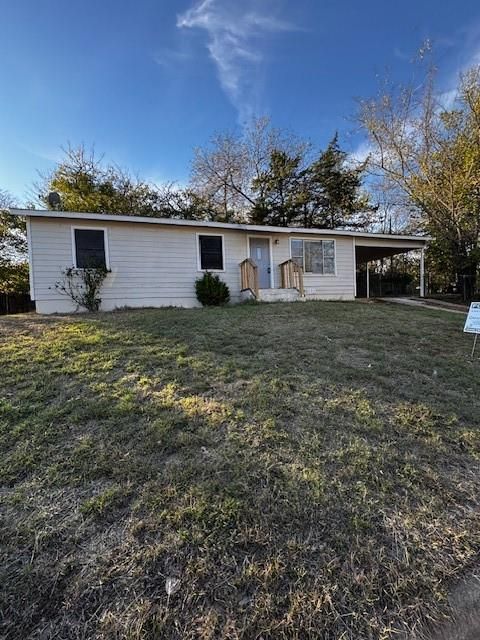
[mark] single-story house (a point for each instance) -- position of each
(154, 262)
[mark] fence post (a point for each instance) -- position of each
(422, 273)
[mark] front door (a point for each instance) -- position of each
(260, 254)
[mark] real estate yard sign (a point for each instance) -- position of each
(472, 323)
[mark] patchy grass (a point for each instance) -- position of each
(292, 470)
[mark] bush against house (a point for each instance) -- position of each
(211, 291)
(83, 286)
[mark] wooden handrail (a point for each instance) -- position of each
(249, 276)
(292, 276)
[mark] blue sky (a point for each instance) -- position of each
(146, 81)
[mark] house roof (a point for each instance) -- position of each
(37, 213)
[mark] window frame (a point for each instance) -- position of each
(199, 254)
(73, 228)
(313, 273)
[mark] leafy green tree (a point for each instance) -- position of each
(14, 277)
(326, 193)
(332, 193)
(278, 188)
(13, 240)
(85, 182)
(13, 249)
(184, 203)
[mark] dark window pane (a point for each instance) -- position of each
(90, 248)
(211, 255)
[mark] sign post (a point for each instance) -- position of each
(472, 323)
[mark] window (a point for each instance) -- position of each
(89, 246)
(314, 256)
(210, 253)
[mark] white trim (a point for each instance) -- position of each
(269, 238)
(199, 262)
(422, 273)
(73, 215)
(368, 281)
(354, 267)
(313, 273)
(30, 260)
(105, 243)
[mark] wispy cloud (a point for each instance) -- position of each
(464, 50)
(361, 152)
(170, 58)
(235, 41)
(46, 154)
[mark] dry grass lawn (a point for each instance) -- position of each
(288, 470)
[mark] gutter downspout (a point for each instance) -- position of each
(354, 268)
(368, 282)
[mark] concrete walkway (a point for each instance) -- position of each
(427, 304)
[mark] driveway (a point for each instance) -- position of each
(427, 303)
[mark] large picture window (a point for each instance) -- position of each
(314, 256)
(89, 248)
(210, 253)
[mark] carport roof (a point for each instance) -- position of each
(369, 253)
(375, 248)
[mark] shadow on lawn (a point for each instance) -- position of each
(288, 501)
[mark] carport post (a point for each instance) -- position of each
(422, 273)
(368, 282)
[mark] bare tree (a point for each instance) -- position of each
(427, 156)
(220, 174)
(226, 171)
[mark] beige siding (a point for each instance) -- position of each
(341, 286)
(156, 265)
(151, 265)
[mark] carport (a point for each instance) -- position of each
(370, 249)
